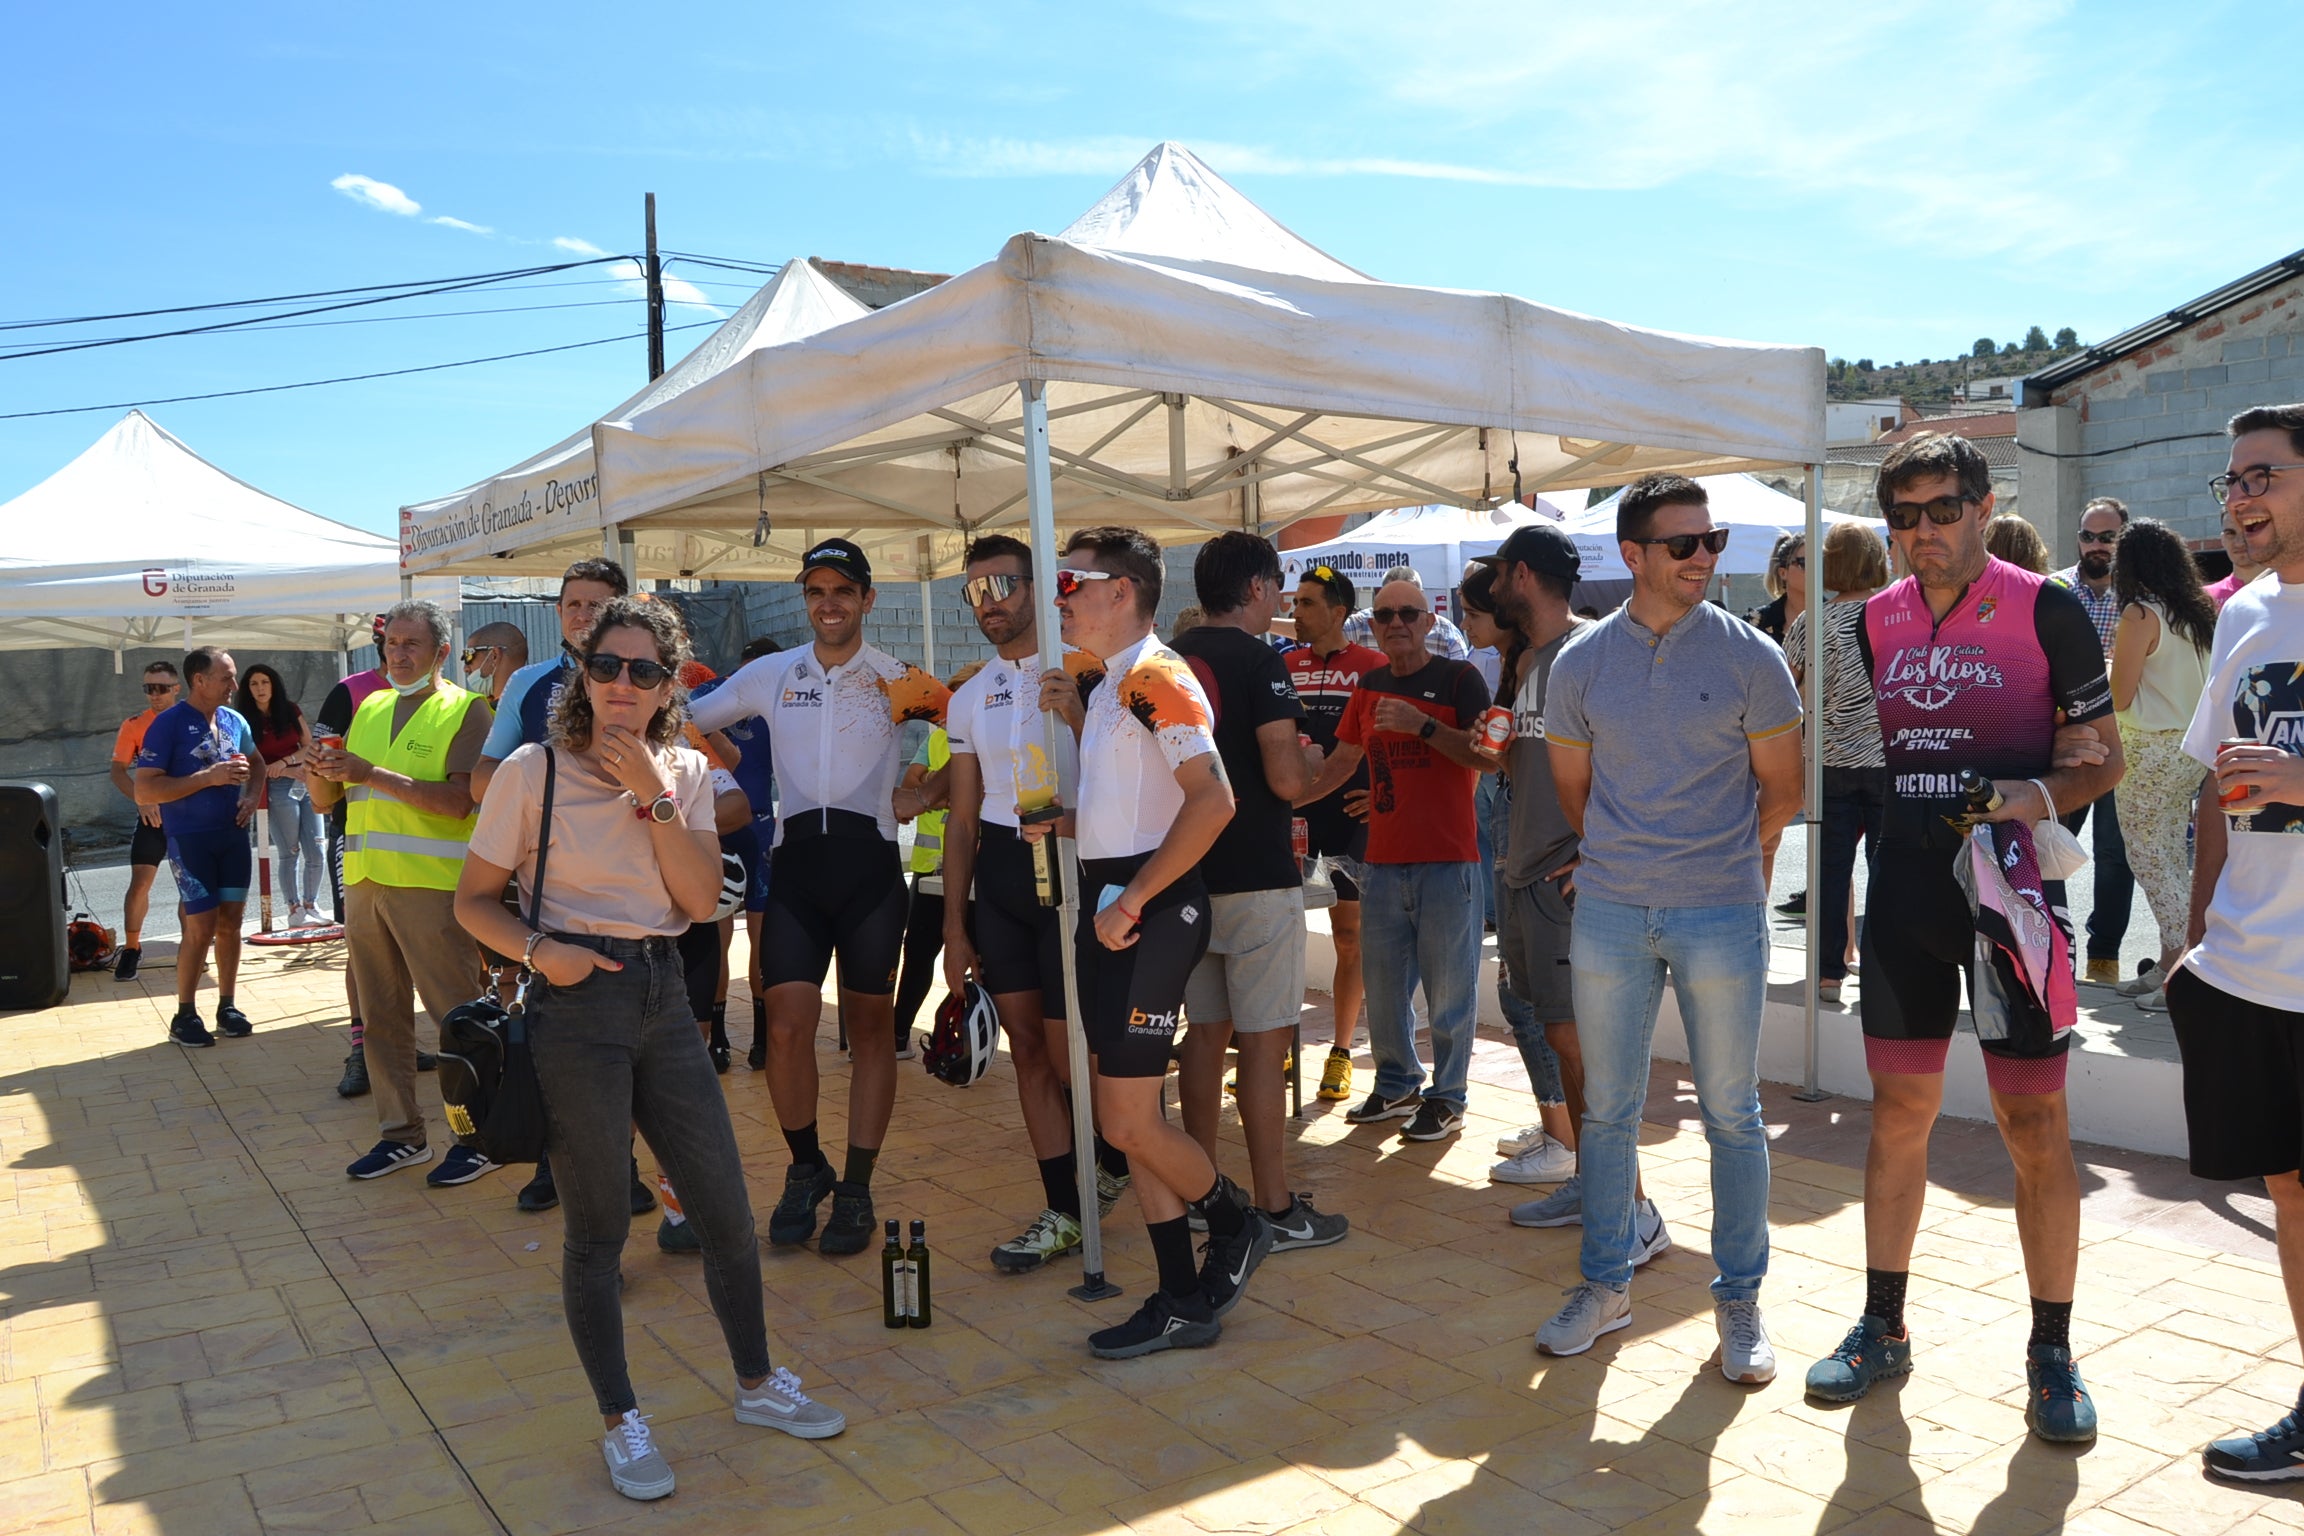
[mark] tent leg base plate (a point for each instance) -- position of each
(1094, 1288)
(1811, 1095)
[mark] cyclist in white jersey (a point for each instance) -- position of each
(1152, 799)
(835, 711)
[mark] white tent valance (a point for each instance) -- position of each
(139, 534)
(1758, 514)
(1432, 541)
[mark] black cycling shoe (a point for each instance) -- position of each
(643, 1198)
(849, 1228)
(719, 1049)
(757, 1057)
(232, 1023)
(540, 1193)
(794, 1219)
(354, 1083)
(427, 1062)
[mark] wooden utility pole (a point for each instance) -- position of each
(655, 298)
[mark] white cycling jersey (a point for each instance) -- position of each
(1147, 719)
(995, 717)
(833, 736)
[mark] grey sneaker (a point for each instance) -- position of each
(1564, 1207)
(1649, 1239)
(1592, 1310)
(635, 1466)
(779, 1403)
(1746, 1356)
(1300, 1226)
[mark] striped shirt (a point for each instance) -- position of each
(2103, 608)
(1851, 721)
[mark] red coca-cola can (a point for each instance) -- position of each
(2237, 792)
(1495, 730)
(1300, 838)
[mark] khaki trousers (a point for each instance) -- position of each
(402, 939)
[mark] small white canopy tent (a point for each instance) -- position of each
(140, 542)
(543, 512)
(1758, 513)
(1433, 541)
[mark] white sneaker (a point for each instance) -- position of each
(2154, 1001)
(1592, 1310)
(2151, 981)
(779, 1403)
(305, 917)
(1521, 1140)
(1746, 1356)
(1649, 1239)
(1547, 1162)
(635, 1466)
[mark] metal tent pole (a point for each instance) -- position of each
(927, 606)
(1812, 669)
(1063, 759)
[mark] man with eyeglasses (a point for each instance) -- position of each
(1414, 722)
(150, 845)
(836, 710)
(1673, 731)
(998, 763)
(1973, 662)
(2237, 997)
(494, 653)
(2090, 579)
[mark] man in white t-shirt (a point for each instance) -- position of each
(2235, 996)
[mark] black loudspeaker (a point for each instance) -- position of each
(35, 971)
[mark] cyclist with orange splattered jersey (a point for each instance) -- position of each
(835, 711)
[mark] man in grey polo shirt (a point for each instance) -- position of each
(1673, 731)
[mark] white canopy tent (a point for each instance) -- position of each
(1433, 541)
(1758, 514)
(141, 542)
(543, 512)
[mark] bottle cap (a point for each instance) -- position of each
(919, 1229)
(891, 1226)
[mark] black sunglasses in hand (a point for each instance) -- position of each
(605, 668)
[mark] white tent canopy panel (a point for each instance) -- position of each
(1757, 514)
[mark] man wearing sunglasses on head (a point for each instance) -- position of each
(2090, 579)
(836, 711)
(1973, 663)
(998, 762)
(1673, 731)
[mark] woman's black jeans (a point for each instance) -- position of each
(1854, 799)
(619, 1049)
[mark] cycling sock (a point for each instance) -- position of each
(720, 1024)
(860, 1161)
(1884, 1296)
(1227, 1213)
(1110, 1158)
(359, 1032)
(2051, 1324)
(1060, 1184)
(759, 1019)
(1172, 1251)
(805, 1151)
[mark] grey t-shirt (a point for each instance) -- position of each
(1673, 819)
(1538, 839)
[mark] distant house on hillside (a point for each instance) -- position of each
(1849, 422)
(1980, 391)
(2141, 416)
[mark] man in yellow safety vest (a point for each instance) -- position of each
(406, 763)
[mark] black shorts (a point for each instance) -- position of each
(148, 846)
(1019, 943)
(2243, 1080)
(1134, 997)
(834, 894)
(1919, 942)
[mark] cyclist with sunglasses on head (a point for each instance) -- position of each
(1973, 662)
(835, 711)
(1673, 730)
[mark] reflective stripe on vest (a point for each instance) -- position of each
(389, 841)
(928, 830)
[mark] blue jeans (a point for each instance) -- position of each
(295, 842)
(1718, 959)
(2115, 886)
(1421, 922)
(1493, 803)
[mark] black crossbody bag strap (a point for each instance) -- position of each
(543, 845)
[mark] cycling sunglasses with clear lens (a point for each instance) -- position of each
(1682, 546)
(1069, 581)
(992, 589)
(1944, 511)
(1396, 615)
(604, 668)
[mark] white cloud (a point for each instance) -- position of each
(382, 196)
(632, 278)
(576, 247)
(446, 222)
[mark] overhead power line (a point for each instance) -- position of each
(429, 314)
(321, 293)
(350, 378)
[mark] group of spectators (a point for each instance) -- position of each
(1607, 789)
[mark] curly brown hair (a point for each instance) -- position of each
(571, 725)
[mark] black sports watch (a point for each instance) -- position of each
(1427, 728)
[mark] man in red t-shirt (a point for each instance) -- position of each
(1326, 670)
(1414, 723)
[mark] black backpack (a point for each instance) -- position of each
(487, 1077)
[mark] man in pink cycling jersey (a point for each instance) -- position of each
(1973, 661)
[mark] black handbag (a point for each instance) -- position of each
(487, 1075)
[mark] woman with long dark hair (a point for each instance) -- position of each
(631, 862)
(281, 739)
(2159, 665)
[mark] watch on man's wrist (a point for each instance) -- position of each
(1427, 728)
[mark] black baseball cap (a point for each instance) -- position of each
(1540, 547)
(838, 555)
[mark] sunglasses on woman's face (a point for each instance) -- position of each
(604, 668)
(1070, 581)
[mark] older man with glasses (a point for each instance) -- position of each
(1414, 721)
(2089, 578)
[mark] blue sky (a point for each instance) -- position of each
(1879, 180)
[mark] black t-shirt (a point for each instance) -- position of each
(335, 710)
(1248, 686)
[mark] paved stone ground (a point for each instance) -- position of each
(207, 1329)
